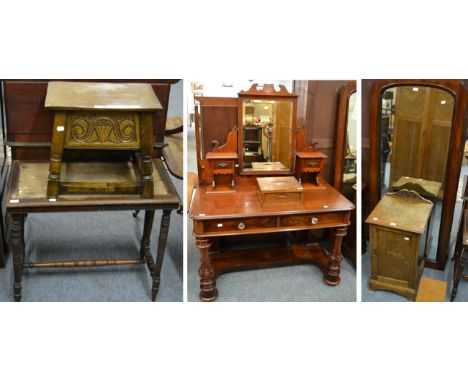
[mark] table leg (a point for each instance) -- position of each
(146, 238)
(458, 269)
(56, 153)
(332, 273)
(163, 232)
(17, 246)
(208, 291)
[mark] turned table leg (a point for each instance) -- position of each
(208, 291)
(56, 153)
(17, 247)
(163, 232)
(458, 269)
(332, 273)
(145, 251)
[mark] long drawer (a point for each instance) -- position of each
(239, 224)
(313, 220)
(244, 225)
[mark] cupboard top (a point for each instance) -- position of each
(403, 213)
(63, 95)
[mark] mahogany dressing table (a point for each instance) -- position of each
(237, 211)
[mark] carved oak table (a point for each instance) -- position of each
(26, 194)
(240, 213)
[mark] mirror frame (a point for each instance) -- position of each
(344, 95)
(266, 92)
(452, 174)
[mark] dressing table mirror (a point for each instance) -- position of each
(416, 143)
(260, 193)
(267, 121)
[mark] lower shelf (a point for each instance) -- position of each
(258, 258)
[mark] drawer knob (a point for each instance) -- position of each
(241, 226)
(223, 164)
(314, 220)
(313, 164)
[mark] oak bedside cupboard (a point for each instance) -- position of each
(397, 228)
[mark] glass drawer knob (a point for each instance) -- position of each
(314, 220)
(241, 226)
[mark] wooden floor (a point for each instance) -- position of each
(431, 290)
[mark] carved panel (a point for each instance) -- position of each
(107, 130)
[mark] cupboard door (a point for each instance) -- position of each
(394, 257)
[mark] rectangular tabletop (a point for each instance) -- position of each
(245, 203)
(27, 186)
(62, 95)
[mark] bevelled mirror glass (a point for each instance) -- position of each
(415, 129)
(267, 127)
(349, 165)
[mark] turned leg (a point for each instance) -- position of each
(17, 246)
(146, 238)
(332, 273)
(208, 291)
(163, 232)
(56, 152)
(146, 126)
(457, 272)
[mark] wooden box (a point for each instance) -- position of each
(101, 120)
(279, 189)
(398, 226)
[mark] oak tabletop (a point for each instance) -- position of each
(401, 213)
(26, 190)
(244, 202)
(62, 95)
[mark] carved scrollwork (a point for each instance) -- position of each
(410, 194)
(102, 129)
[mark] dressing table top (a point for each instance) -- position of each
(62, 95)
(245, 203)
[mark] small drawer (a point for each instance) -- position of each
(282, 197)
(223, 164)
(239, 224)
(313, 220)
(312, 164)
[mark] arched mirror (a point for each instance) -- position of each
(416, 139)
(346, 138)
(345, 158)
